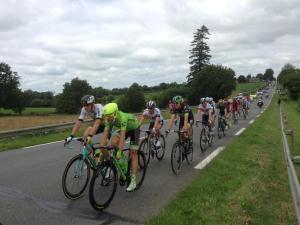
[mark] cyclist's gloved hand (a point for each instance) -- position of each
(119, 154)
(89, 139)
(167, 132)
(68, 139)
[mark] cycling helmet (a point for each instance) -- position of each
(221, 100)
(202, 100)
(207, 99)
(211, 99)
(87, 99)
(177, 99)
(151, 105)
(110, 108)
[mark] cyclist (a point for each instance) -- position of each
(235, 108)
(229, 110)
(185, 116)
(93, 110)
(246, 105)
(205, 110)
(213, 113)
(156, 120)
(222, 110)
(122, 126)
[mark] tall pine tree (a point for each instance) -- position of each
(200, 52)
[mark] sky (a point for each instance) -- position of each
(113, 44)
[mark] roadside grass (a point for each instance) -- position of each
(18, 122)
(29, 140)
(292, 112)
(246, 184)
(29, 111)
(246, 87)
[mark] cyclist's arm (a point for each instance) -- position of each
(210, 115)
(157, 120)
(143, 117)
(122, 139)
(171, 121)
(96, 126)
(186, 118)
(76, 127)
(104, 136)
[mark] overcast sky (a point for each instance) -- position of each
(116, 43)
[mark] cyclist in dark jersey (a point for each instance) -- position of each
(186, 117)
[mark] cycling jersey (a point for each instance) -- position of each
(152, 117)
(222, 108)
(182, 112)
(123, 121)
(96, 113)
(205, 108)
(234, 106)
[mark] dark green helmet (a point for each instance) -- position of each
(177, 99)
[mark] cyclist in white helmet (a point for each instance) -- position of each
(156, 119)
(94, 111)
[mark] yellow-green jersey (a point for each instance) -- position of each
(123, 122)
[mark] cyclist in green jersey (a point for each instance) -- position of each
(122, 125)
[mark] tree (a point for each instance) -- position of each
(200, 52)
(242, 79)
(286, 69)
(134, 99)
(259, 76)
(10, 94)
(69, 100)
(213, 81)
(268, 75)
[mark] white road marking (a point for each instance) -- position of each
(240, 131)
(258, 115)
(209, 158)
(251, 121)
(43, 144)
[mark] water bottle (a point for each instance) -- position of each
(122, 160)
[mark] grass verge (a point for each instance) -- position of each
(246, 184)
(292, 112)
(29, 140)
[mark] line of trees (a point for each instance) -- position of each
(289, 78)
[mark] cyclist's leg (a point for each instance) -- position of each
(134, 141)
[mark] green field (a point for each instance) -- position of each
(246, 184)
(246, 87)
(29, 111)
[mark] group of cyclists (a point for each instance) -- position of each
(116, 126)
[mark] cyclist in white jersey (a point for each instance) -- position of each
(156, 119)
(94, 111)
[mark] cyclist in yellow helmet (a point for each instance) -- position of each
(122, 125)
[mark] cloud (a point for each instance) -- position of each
(116, 43)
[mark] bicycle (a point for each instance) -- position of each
(235, 117)
(80, 174)
(206, 138)
(148, 146)
(104, 181)
(245, 113)
(181, 150)
(221, 126)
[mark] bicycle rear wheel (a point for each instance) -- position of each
(75, 177)
(221, 128)
(141, 171)
(103, 186)
(145, 148)
(176, 158)
(161, 151)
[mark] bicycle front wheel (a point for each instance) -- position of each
(75, 177)
(203, 140)
(161, 151)
(176, 158)
(103, 186)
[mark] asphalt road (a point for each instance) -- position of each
(31, 193)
